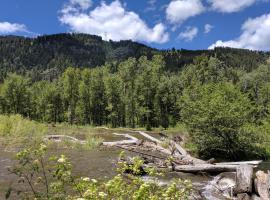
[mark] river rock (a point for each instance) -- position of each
(255, 197)
(226, 183)
(243, 196)
(214, 188)
(262, 185)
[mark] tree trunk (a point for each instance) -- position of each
(244, 174)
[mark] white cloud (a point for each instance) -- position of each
(7, 28)
(208, 28)
(189, 34)
(229, 6)
(255, 35)
(76, 6)
(180, 10)
(84, 4)
(112, 21)
(151, 5)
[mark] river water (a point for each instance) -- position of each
(99, 164)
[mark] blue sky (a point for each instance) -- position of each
(188, 24)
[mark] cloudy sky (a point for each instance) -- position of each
(188, 24)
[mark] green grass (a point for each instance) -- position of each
(15, 131)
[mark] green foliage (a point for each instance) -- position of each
(52, 179)
(15, 94)
(220, 95)
(15, 131)
(70, 81)
(92, 142)
(46, 57)
(218, 116)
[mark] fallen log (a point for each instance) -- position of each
(149, 137)
(183, 153)
(181, 150)
(132, 140)
(244, 175)
(205, 168)
(139, 152)
(127, 136)
(262, 185)
(122, 142)
(59, 138)
(255, 162)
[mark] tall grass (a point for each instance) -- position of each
(16, 131)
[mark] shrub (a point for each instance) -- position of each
(220, 119)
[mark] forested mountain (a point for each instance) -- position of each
(49, 55)
(222, 96)
(46, 57)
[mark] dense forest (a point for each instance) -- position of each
(221, 95)
(46, 57)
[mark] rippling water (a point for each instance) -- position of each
(99, 164)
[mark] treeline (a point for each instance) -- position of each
(46, 57)
(138, 93)
(226, 109)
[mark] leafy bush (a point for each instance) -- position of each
(220, 120)
(55, 181)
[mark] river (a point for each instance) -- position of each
(99, 164)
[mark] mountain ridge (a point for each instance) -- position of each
(48, 55)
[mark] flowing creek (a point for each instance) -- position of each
(101, 164)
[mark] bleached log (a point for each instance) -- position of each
(183, 153)
(59, 138)
(181, 150)
(149, 137)
(122, 142)
(132, 140)
(205, 168)
(127, 136)
(262, 185)
(255, 162)
(244, 175)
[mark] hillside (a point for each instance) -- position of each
(47, 56)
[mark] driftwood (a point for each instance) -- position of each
(182, 153)
(256, 162)
(262, 185)
(181, 160)
(181, 150)
(205, 168)
(244, 175)
(59, 138)
(132, 140)
(149, 137)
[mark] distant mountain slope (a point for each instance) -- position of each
(49, 55)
